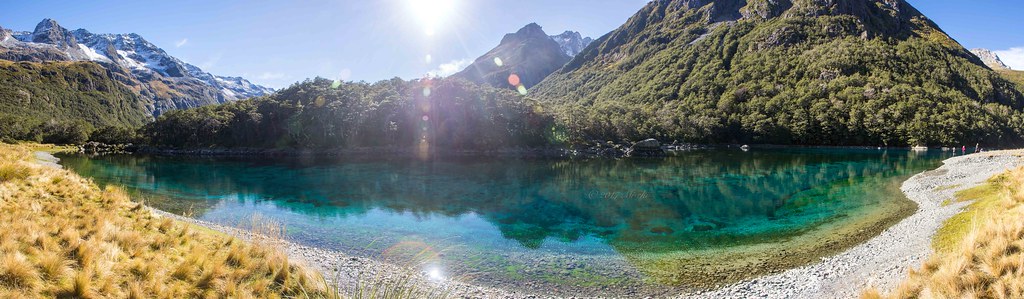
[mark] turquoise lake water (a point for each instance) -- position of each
(504, 221)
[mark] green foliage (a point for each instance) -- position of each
(63, 132)
(1014, 76)
(322, 114)
(114, 135)
(825, 80)
(62, 102)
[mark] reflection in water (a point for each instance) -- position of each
(481, 207)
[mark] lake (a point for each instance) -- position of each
(639, 226)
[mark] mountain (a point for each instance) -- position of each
(39, 98)
(571, 42)
(322, 114)
(522, 59)
(990, 59)
(163, 80)
(835, 72)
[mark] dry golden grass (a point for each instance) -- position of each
(983, 253)
(62, 236)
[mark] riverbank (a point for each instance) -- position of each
(707, 269)
(883, 261)
(977, 252)
(351, 272)
(63, 236)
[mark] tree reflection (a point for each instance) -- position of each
(691, 201)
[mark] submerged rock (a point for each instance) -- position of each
(703, 227)
(647, 148)
(665, 230)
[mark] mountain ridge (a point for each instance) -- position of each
(991, 59)
(521, 59)
(572, 42)
(148, 69)
(783, 72)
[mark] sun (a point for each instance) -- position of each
(432, 14)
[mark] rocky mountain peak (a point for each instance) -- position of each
(991, 59)
(878, 17)
(49, 32)
(523, 59)
(572, 42)
(170, 82)
(530, 31)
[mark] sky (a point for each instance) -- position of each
(279, 42)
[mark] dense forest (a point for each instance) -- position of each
(325, 114)
(844, 72)
(867, 76)
(64, 102)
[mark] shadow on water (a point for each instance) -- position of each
(628, 211)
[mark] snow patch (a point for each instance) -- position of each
(132, 63)
(92, 54)
(230, 94)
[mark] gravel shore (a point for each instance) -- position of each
(347, 271)
(883, 261)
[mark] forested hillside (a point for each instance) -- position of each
(325, 114)
(63, 102)
(846, 72)
(790, 72)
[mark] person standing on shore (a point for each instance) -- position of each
(964, 150)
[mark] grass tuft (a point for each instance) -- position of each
(13, 171)
(17, 273)
(61, 236)
(978, 252)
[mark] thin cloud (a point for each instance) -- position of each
(450, 68)
(1013, 57)
(271, 76)
(181, 43)
(211, 61)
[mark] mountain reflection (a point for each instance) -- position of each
(695, 200)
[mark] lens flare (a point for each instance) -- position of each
(435, 273)
(432, 15)
(521, 89)
(497, 61)
(426, 91)
(426, 118)
(513, 80)
(429, 58)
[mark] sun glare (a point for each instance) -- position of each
(432, 14)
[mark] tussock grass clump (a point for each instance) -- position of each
(979, 253)
(62, 236)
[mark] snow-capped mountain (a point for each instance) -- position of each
(991, 59)
(571, 42)
(172, 83)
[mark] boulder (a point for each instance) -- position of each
(649, 143)
(647, 148)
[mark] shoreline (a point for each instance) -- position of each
(883, 262)
(614, 150)
(346, 271)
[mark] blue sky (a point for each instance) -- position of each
(276, 43)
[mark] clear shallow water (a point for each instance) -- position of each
(558, 224)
